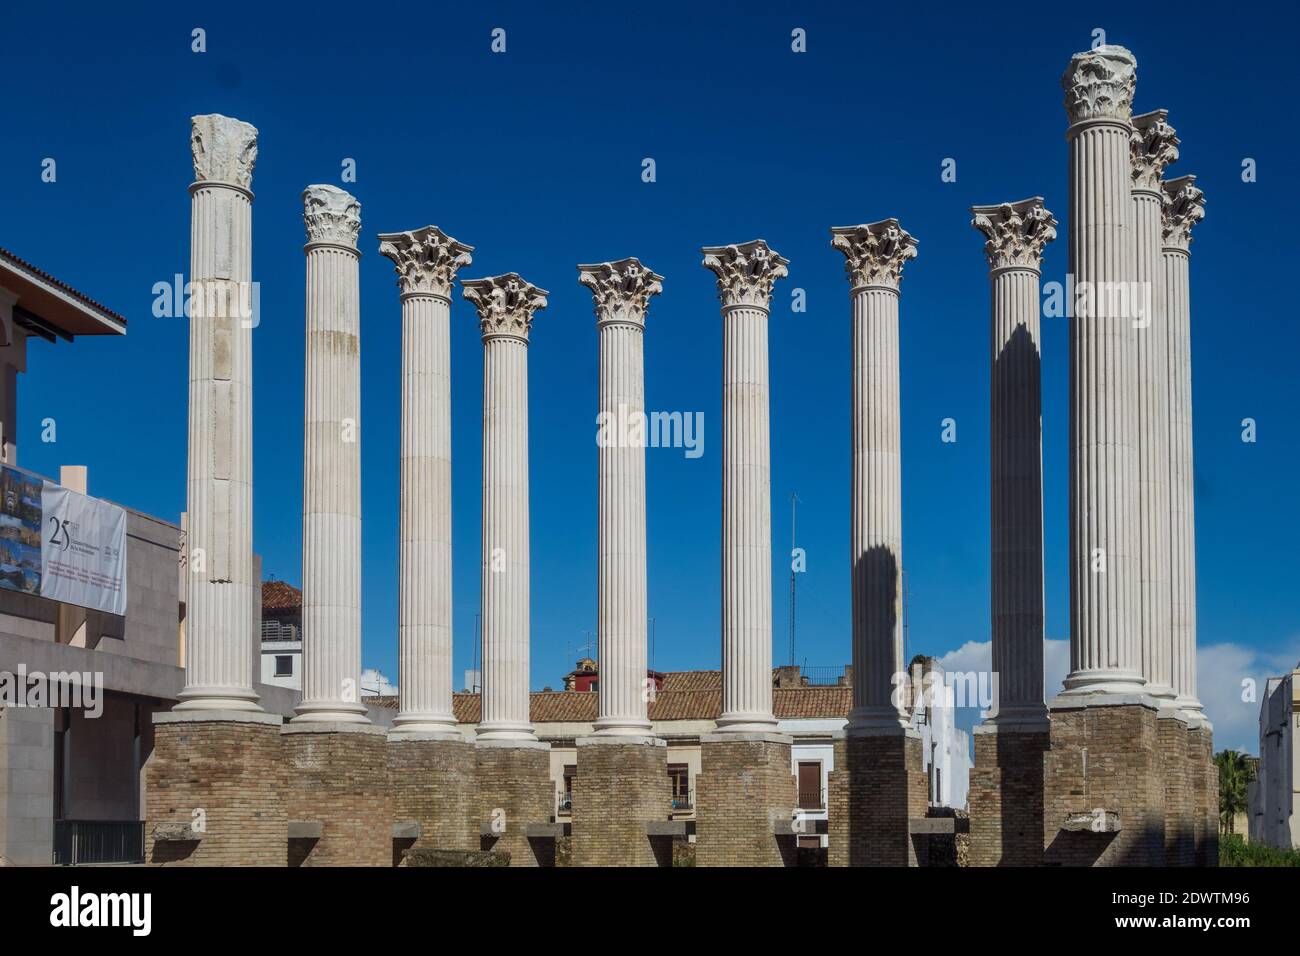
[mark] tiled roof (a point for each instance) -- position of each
(691, 680)
(280, 596)
(58, 284)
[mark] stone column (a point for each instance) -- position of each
(1104, 707)
(331, 492)
(622, 784)
(512, 765)
(1183, 208)
(216, 751)
(222, 591)
(1154, 146)
(426, 262)
(1006, 792)
(431, 763)
(1104, 619)
(746, 788)
(878, 783)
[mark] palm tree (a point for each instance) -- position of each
(1235, 772)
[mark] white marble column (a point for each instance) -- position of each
(874, 257)
(331, 487)
(1154, 146)
(426, 261)
(222, 589)
(1016, 234)
(622, 292)
(746, 274)
(505, 305)
(1183, 208)
(1104, 619)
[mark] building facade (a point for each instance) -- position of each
(1275, 792)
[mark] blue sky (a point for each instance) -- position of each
(535, 155)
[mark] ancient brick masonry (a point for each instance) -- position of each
(877, 787)
(434, 783)
(620, 787)
(514, 790)
(1178, 777)
(339, 779)
(228, 771)
(744, 792)
(1104, 758)
(1204, 775)
(1006, 799)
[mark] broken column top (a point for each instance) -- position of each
(332, 216)
(1099, 84)
(224, 150)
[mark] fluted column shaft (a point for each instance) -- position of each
(222, 590)
(1104, 619)
(425, 601)
(505, 583)
(331, 493)
(1016, 494)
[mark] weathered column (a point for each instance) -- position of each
(218, 724)
(222, 591)
(746, 780)
(1104, 697)
(1183, 208)
(878, 782)
(1154, 146)
(331, 492)
(426, 261)
(513, 766)
(1006, 787)
(622, 783)
(431, 763)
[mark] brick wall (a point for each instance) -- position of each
(232, 773)
(338, 778)
(514, 790)
(619, 788)
(434, 783)
(1205, 800)
(1180, 795)
(1006, 799)
(745, 788)
(878, 786)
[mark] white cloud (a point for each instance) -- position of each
(373, 682)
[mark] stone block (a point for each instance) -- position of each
(621, 789)
(877, 788)
(1006, 798)
(744, 788)
(515, 790)
(434, 784)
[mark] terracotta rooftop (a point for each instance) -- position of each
(280, 596)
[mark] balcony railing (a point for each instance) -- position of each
(564, 803)
(812, 799)
(98, 841)
(684, 801)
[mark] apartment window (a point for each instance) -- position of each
(679, 776)
(810, 785)
(283, 665)
(566, 798)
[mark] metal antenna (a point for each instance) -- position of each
(794, 501)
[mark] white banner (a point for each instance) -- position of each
(83, 550)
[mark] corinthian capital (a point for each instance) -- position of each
(426, 259)
(1099, 84)
(224, 149)
(332, 216)
(874, 253)
(621, 289)
(505, 304)
(1016, 232)
(746, 272)
(1155, 145)
(1184, 207)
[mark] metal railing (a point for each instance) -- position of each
(564, 803)
(812, 799)
(98, 841)
(684, 801)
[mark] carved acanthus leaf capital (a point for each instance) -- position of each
(746, 272)
(224, 149)
(1016, 232)
(874, 252)
(1154, 145)
(620, 289)
(1099, 84)
(505, 304)
(426, 259)
(1184, 207)
(332, 215)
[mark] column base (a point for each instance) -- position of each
(1180, 818)
(745, 792)
(434, 783)
(337, 784)
(515, 790)
(877, 788)
(1204, 775)
(213, 790)
(622, 784)
(1103, 799)
(1006, 796)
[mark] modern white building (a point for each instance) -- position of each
(1275, 792)
(945, 749)
(281, 645)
